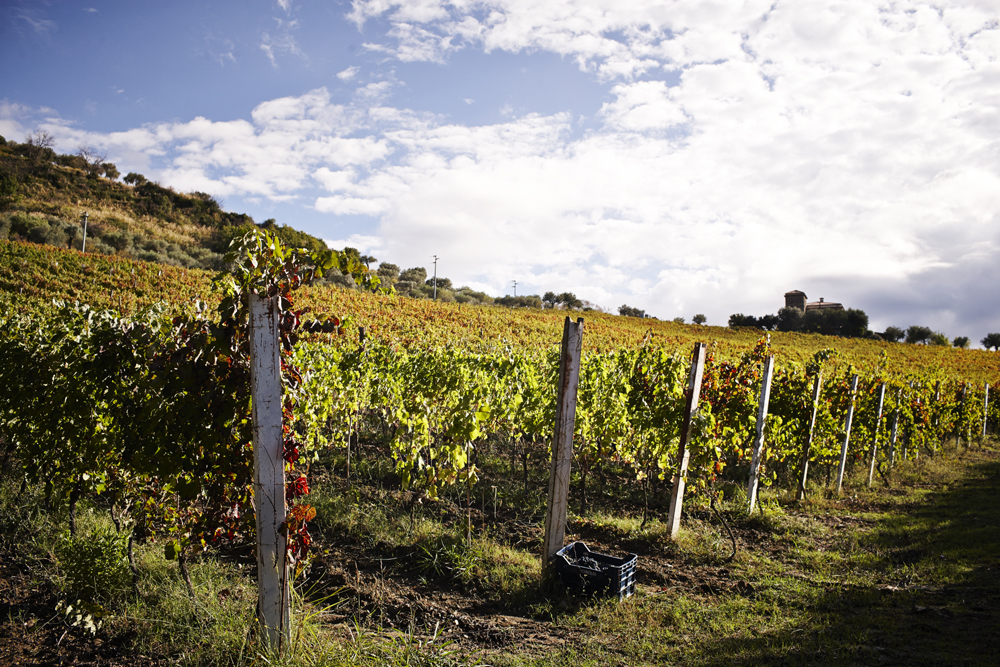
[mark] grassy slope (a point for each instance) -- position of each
(34, 274)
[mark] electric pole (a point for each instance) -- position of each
(435, 277)
(515, 288)
(84, 247)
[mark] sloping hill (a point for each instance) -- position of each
(44, 197)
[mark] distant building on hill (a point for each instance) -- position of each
(798, 299)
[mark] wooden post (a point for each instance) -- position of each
(878, 426)
(562, 440)
(961, 413)
(817, 384)
(986, 405)
(683, 453)
(758, 442)
(847, 434)
(895, 430)
(268, 472)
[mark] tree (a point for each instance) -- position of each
(678, 320)
(93, 157)
(790, 319)
(523, 301)
(570, 302)
(938, 338)
(8, 191)
(917, 334)
(893, 334)
(110, 170)
(417, 275)
(134, 179)
(991, 341)
(442, 282)
(40, 144)
(367, 260)
(856, 325)
(628, 311)
(567, 300)
(961, 341)
(389, 273)
(768, 322)
(699, 319)
(741, 320)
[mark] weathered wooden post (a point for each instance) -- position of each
(758, 441)
(961, 413)
(878, 426)
(268, 472)
(817, 384)
(683, 452)
(847, 434)
(895, 430)
(562, 440)
(986, 405)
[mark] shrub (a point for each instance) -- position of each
(95, 563)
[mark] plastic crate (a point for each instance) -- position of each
(590, 573)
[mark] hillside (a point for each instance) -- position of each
(44, 196)
(32, 275)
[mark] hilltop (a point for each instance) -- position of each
(44, 197)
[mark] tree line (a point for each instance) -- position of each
(852, 323)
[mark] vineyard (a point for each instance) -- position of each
(144, 407)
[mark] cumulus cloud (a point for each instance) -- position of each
(743, 149)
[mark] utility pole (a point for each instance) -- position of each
(84, 247)
(435, 277)
(515, 288)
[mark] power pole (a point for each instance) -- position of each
(84, 247)
(435, 277)
(515, 288)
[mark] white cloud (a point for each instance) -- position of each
(362, 243)
(348, 74)
(35, 19)
(281, 41)
(849, 150)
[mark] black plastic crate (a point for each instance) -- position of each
(590, 573)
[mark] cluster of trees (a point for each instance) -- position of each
(921, 335)
(850, 323)
(413, 282)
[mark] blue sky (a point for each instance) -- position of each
(682, 157)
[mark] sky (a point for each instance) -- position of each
(678, 156)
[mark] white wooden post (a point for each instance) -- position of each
(683, 452)
(847, 434)
(268, 472)
(878, 426)
(817, 384)
(986, 405)
(562, 440)
(758, 442)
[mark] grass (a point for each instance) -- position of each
(895, 576)
(912, 582)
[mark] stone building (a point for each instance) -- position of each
(798, 299)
